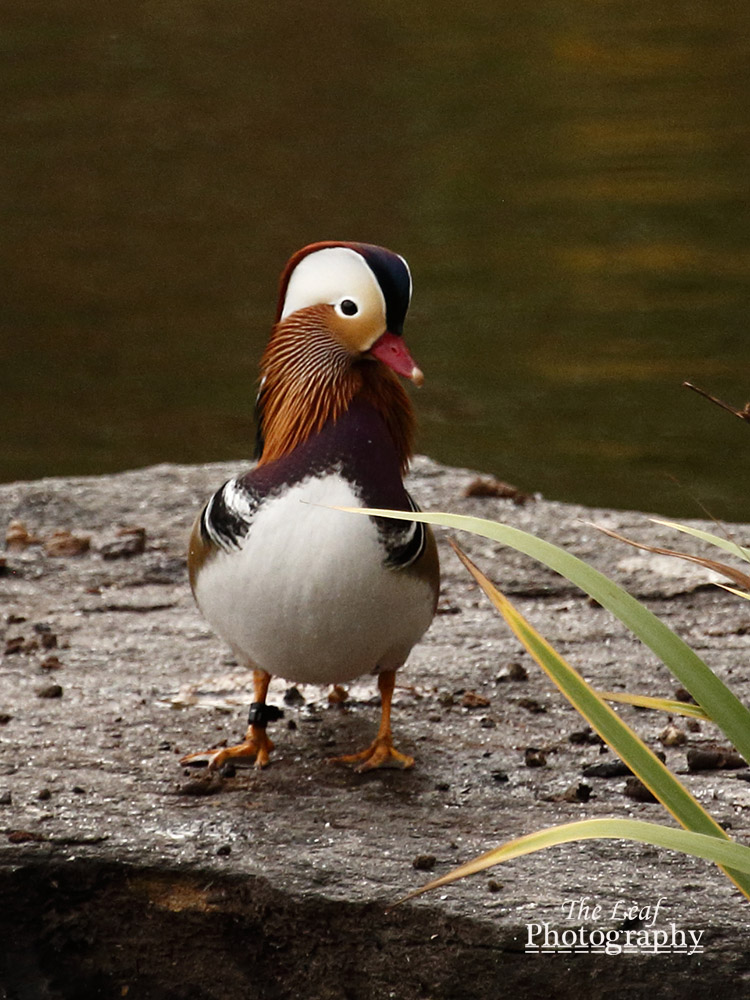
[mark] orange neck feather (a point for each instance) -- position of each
(309, 379)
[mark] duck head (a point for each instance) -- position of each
(364, 293)
(338, 332)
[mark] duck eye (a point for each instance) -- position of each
(349, 308)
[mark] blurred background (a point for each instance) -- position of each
(569, 181)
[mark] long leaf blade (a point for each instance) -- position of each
(722, 543)
(721, 852)
(726, 710)
(735, 575)
(627, 744)
(657, 704)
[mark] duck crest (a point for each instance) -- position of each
(308, 379)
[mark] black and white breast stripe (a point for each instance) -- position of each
(227, 516)
(404, 541)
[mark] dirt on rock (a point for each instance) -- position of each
(124, 875)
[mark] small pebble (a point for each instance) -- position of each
(672, 735)
(338, 695)
(499, 776)
(473, 700)
(683, 695)
(513, 672)
(606, 769)
(635, 789)
(424, 862)
(534, 757)
(531, 705)
(583, 737)
(293, 696)
(493, 886)
(49, 691)
(489, 486)
(77, 790)
(65, 543)
(44, 795)
(50, 663)
(6, 798)
(614, 768)
(714, 760)
(24, 836)
(579, 792)
(17, 537)
(46, 635)
(224, 851)
(486, 723)
(129, 542)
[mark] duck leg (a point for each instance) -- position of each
(256, 743)
(381, 752)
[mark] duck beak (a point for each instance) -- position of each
(392, 351)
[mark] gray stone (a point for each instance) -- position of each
(281, 883)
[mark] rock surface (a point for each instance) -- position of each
(123, 875)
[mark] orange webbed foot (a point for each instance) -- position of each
(380, 753)
(256, 744)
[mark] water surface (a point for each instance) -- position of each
(569, 182)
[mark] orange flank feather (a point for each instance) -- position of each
(310, 378)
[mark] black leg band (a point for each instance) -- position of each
(261, 714)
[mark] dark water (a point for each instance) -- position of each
(568, 180)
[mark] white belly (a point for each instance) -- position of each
(308, 597)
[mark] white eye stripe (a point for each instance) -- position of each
(332, 276)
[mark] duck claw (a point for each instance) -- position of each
(380, 753)
(258, 746)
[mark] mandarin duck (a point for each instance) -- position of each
(298, 589)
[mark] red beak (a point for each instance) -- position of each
(392, 351)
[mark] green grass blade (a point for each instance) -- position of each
(730, 572)
(658, 704)
(714, 697)
(722, 852)
(627, 745)
(722, 543)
